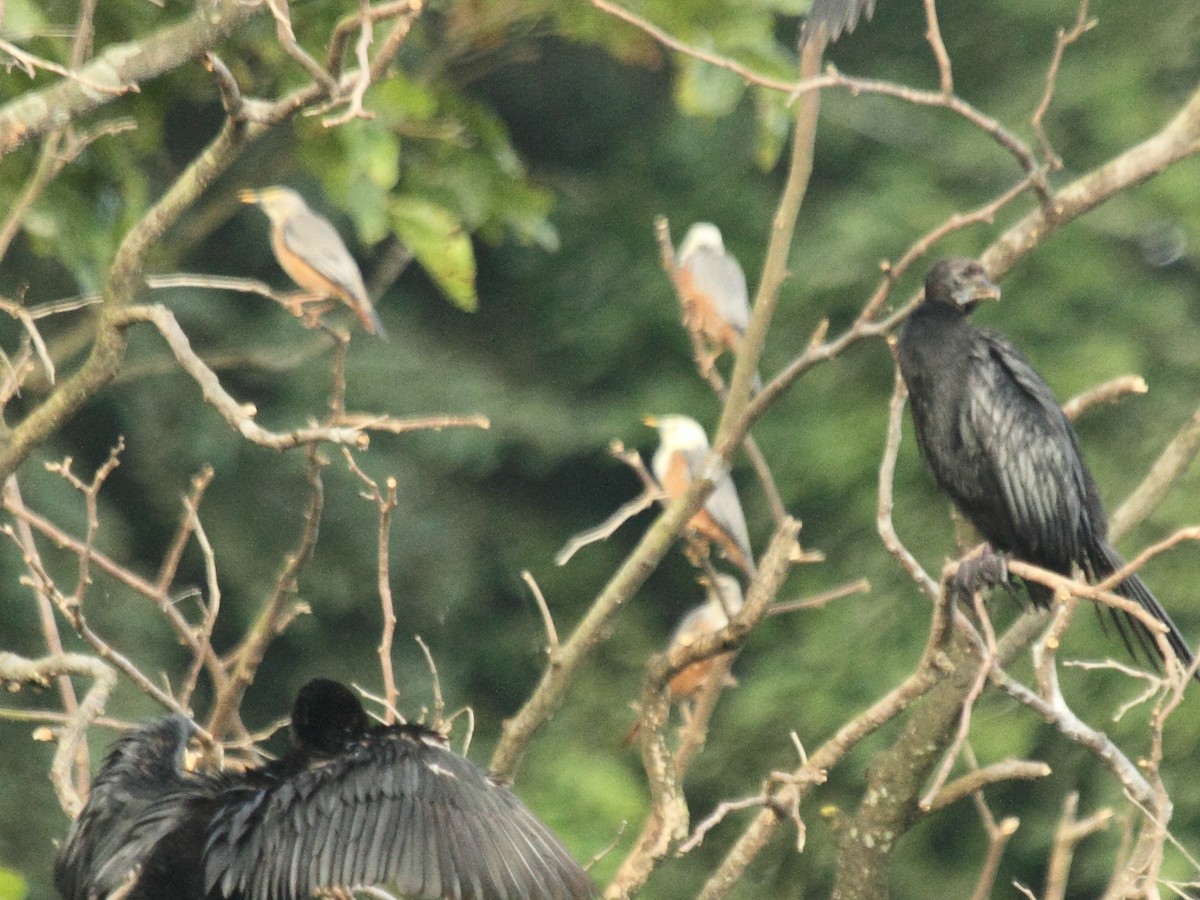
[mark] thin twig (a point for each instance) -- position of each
(975, 781)
(16, 670)
(651, 494)
(1108, 392)
(544, 609)
(933, 34)
(816, 601)
(887, 473)
(239, 416)
(1062, 40)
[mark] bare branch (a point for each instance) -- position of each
(816, 601)
(1171, 463)
(887, 472)
(1063, 40)
(1069, 834)
(544, 609)
(1108, 392)
(118, 69)
(274, 615)
(933, 34)
(651, 494)
(713, 59)
(239, 416)
(16, 670)
(972, 782)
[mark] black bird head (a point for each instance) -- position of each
(960, 282)
(327, 715)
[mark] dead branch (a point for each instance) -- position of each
(16, 670)
(1070, 832)
(1062, 40)
(667, 821)
(887, 473)
(975, 781)
(276, 613)
(239, 416)
(1108, 392)
(998, 834)
(651, 494)
(816, 601)
(928, 673)
(1166, 470)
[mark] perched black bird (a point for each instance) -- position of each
(352, 804)
(832, 17)
(997, 442)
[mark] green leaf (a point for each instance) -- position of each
(441, 245)
(705, 90)
(12, 885)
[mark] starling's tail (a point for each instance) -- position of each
(370, 320)
(1105, 561)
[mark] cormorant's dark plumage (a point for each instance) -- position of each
(832, 17)
(997, 442)
(352, 804)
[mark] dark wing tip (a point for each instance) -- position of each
(831, 18)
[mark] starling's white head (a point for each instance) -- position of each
(701, 236)
(279, 203)
(681, 433)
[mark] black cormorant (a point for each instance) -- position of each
(352, 804)
(832, 17)
(997, 442)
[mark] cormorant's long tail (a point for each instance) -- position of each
(1106, 560)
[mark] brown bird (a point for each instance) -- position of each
(724, 599)
(311, 251)
(716, 301)
(680, 458)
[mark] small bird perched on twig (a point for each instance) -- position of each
(311, 251)
(723, 599)
(679, 460)
(998, 443)
(713, 291)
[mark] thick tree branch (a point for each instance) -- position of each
(119, 68)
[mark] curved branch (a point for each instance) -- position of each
(119, 69)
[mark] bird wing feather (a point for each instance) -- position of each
(318, 243)
(396, 808)
(1033, 456)
(133, 804)
(723, 503)
(720, 276)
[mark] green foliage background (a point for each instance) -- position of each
(532, 144)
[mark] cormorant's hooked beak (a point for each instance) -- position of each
(650, 421)
(981, 288)
(248, 196)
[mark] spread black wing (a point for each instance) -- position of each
(128, 811)
(396, 806)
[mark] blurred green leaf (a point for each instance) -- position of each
(441, 245)
(12, 885)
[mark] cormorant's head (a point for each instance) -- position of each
(326, 715)
(960, 282)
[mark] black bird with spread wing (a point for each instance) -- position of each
(998, 443)
(352, 804)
